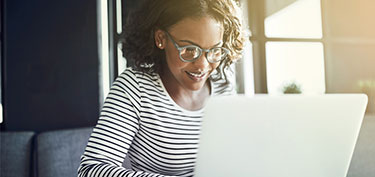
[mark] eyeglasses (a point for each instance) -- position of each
(190, 53)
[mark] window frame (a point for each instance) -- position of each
(257, 11)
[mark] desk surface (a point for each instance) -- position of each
(363, 160)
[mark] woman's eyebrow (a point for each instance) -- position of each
(216, 45)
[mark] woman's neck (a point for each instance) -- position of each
(187, 99)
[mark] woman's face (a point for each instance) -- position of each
(204, 32)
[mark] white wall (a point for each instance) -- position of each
(349, 32)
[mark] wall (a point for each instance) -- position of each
(50, 64)
(350, 45)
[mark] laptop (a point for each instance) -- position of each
(279, 136)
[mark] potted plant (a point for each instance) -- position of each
(292, 88)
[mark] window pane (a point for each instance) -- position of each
(293, 19)
(301, 63)
(103, 50)
(248, 69)
(245, 72)
(1, 112)
(118, 16)
(121, 61)
(245, 14)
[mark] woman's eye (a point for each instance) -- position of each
(191, 49)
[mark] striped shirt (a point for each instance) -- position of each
(140, 120)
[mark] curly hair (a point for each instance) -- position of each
(138, 36)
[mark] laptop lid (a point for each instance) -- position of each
(279, 136)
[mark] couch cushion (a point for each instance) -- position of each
(363, 161)
(59, 152)
(16, 148)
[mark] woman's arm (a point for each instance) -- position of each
(113, 135)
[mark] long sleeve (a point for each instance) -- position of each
(114, 133)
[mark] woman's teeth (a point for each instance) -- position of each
(198, 75)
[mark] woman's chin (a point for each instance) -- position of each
(196, 86)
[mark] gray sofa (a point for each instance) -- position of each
(15, 155)
(48, 154)
(57, 153)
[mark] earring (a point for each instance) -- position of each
(160, 45)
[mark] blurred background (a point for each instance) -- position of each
(59, 58)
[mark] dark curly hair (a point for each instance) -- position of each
(138, 36)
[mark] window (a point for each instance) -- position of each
(1, 66)
(244, 68)
(110, 23)
(103, 35)
(293, 19)
(290, 47)
(299, 63)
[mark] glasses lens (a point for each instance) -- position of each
(217, 54)
(190, 53)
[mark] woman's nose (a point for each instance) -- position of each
(202, 61)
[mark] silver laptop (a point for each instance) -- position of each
(280, 136)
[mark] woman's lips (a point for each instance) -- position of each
(196, 76)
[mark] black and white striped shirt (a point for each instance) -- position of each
(140, 120)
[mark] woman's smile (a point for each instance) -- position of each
(197, 76)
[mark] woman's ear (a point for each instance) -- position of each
(160, 39)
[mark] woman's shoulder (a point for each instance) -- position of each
(223, 83)
(138, 81)
(131, 74)
(134, 82)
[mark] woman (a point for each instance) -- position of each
(182, 50)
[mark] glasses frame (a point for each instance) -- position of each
(179, 48)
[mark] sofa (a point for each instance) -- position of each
(57, 153)
(53, 153)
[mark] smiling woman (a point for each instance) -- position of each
(182, 52)
(187, 78)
